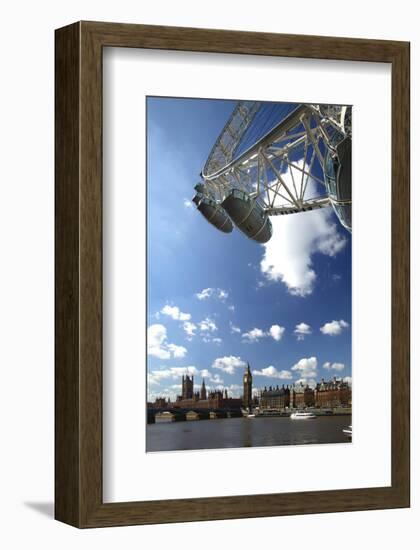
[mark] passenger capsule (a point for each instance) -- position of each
(248, 215)
(213, 213)
(337, 173)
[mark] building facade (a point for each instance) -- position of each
(333, 393)
(326, 395)
(203, 399)
(301, 396)
(275, 398)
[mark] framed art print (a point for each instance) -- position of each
(232, 274)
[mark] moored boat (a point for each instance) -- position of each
(348, 432)
(303, 415)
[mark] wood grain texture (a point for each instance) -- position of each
(79, 274)
(67, 375)
(400, 277)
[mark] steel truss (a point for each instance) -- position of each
(283, 169)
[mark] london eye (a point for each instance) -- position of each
(277, 159)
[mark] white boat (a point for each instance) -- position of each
(302, 415)
(247, 413)
(348, 431)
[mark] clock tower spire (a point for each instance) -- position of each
(247, 398)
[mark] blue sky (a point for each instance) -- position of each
(216, 301)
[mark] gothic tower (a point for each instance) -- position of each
(203, 391)
(247, 399)
(187, 387)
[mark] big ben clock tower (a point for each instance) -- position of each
(247, 399)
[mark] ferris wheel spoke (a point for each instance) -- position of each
(244, 175)
(305, 172)
(305, 153)
(293, 177)
(281, 180)
(284, 158)
(258, 174)
(310, 171)
(276, 193)
(313, 140)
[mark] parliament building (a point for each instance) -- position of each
(203, 399)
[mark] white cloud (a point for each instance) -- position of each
(187, 203)
(254, 335)
(222, 294)
(231, 308)
(207, 325)
(333, 366)
(206, 293)
(311, 382)
(165, 392)
(175, 313)
(296, 238)
(210, 377)
(276, 332)
(190, 328)
(234, 329)
(229, 364)
(207, 340)
(177, 351)
(348, 379)
(156, 336)
(302, 330)
(174, 373)
(234, 387)
(306, 368)
(158, 346)
(234, 390)
(272, 372)
(334, 328)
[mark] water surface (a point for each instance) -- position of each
(244, 432)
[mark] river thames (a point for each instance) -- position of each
(245, 432)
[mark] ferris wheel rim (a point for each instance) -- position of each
(290, 120)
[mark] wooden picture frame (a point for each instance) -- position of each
(78, 290)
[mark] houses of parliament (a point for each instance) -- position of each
(203, 399)
(326, 394)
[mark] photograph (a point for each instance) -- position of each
(208, 247)
(249, 273)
